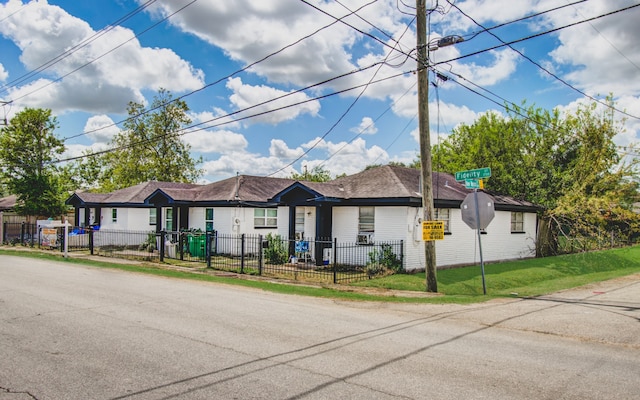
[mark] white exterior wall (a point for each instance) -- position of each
(238, 220)
(345, 224)
(137, 219)
(460, 247)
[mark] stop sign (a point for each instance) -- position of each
(477, 210)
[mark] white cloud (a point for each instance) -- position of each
(216, 141)
(281, 150)
(244, 163)
(602, 54)
(217, 117)
(3, 73)
(629, 128)
(483, 11)
(504, 65)
(366, 127)
(245, 96)
(43, 32)
(346, 157)
(100, 128)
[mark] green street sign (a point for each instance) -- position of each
(472, 184)
(479, 173)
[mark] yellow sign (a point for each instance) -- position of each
(432, 230)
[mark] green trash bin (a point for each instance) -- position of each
(197, 245)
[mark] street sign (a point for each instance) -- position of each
(479, 173)
(432, 230)
(477, 212)
(472, 183)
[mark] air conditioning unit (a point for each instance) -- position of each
(365, 238)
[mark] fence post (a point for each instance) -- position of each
(242, 254)
(402, 254)
(162, 239)
(91, 240)
(4, 231)
(62, 240)
(335, 257)
(207, 251)
(22, 233)
(181, 244)
(260, 255)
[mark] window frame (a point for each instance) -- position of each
(447, 221)
(299, 222)
(517, 222)
(167, 219)
(114, 215)
(209, 219)
(153, 216)
(269, 218)
(366, 225)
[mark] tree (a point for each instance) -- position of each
(150, 147)
(317, 174)
(27, 148)
(568, 164)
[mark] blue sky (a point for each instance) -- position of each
(125, 50)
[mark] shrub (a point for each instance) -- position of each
(383, 258)
(276, 251)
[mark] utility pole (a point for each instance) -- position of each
(425, 141)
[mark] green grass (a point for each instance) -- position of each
(531, 277)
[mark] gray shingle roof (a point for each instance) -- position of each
(386, 182)
(131, 195)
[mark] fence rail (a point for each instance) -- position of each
(317, 259)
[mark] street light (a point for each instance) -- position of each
(423, 128)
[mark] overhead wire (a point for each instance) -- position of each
(223, 78)
(82, 44)
(104, 54)
(470, 36)
(391, 105)
(189, 129)
(610, 43)
(509, 44)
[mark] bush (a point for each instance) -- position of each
(383, 258)
(276, 251)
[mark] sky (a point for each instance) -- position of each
(275, 87)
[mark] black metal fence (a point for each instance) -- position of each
(321, 260)
(19, 233)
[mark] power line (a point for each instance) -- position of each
(610, 44)
(85, 42)
(186, 130)
(104, 54)
(224, 78)
(473, 35)
(508, 44)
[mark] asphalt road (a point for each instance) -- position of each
(74, 332)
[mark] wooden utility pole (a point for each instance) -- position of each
(425, 141)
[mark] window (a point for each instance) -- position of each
(153, 217)
(208, 219)
(299, 223)
(114, 215)
(265, 218)
(517, 222)
(366, 223)
(168, 219)
(443, 214)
